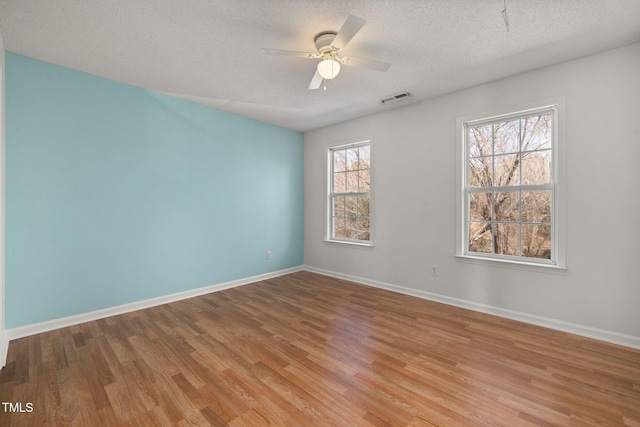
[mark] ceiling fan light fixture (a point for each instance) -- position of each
(329, 68)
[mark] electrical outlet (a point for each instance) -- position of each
(268, 254)
(434, 270)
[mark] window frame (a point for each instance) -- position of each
(329, 228)
(553, 106)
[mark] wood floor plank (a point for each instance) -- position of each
(306, 349)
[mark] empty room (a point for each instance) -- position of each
(320, 213)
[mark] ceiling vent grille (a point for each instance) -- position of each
(395, 98)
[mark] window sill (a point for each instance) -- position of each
(350, 243)
(507, 263)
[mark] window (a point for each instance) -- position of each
(510, 177)
(349, 200)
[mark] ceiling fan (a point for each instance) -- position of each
(329, 44)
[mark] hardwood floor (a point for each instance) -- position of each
(309, 350)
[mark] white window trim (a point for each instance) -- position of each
(559, 202)
(328, 175)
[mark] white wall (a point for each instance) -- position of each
(413, 212)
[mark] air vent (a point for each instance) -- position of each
(395, 98)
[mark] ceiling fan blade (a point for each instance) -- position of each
(316, 81)
(371, 64)
(350, 28)
(307, 55)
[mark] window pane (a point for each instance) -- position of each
(506, 137)
(536, 167)
(536, 206)
(340, 182)
(480, 237)
(507, 239)
(338, 205)
(363, 206)
(536, 241)
(480, 206)
(364, 180)
(352, 181)
(363, 229)
(480, 172)
(536, 132)
(351, 226)
(352, 159)
(339, 161)
(338, 227)
(507, 170)
(506, 206)
(364, 154)
(351, 205)
(480, 141)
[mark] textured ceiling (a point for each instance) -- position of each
(208, 51)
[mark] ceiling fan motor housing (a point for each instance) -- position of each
(323, 41)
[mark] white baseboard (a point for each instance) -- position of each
(586, 331)
(49, 325)
(559, 325)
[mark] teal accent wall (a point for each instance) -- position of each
(116, 194)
